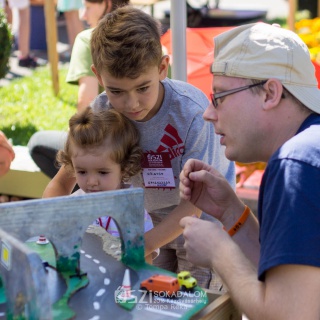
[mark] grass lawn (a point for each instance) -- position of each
(29, 105)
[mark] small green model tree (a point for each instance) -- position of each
(5, 44)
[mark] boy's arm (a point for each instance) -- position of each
(62, 184)
(88, 90)
(169, 228)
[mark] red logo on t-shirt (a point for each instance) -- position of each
(171, 142)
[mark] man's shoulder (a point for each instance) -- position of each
(304, 146)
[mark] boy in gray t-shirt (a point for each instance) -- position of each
(128, 62)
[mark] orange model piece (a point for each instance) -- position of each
(159, 284)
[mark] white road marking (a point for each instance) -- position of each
(106, 281)
(96, 261)
(96, 306)
(102, 269)
(100, 292)
(88, 256)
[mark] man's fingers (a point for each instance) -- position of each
(183, 222)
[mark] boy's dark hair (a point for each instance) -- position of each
(126, 43)
(88, 130)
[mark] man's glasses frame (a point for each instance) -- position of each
(215, 96)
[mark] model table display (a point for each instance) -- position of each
(72, 277)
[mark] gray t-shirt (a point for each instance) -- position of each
(177, 128)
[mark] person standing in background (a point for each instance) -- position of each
(70, 9)
(25, 59)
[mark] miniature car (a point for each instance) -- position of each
(186, 281)
(161, 284)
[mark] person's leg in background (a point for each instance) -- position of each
(70, 10)
(74, 25)
(24, 33)
(7, 10)
(23, 7)
(43, 147)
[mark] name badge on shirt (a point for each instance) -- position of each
(157, 170)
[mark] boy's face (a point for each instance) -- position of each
(138, 99)
(96, 171)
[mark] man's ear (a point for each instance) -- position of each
(274, 90)
(163, 67)
(98, 76)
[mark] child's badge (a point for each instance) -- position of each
(157, 170)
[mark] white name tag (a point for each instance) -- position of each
(157, 171)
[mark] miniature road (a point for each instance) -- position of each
(97, 300)
(105, 275)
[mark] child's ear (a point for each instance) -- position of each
(163, 67)
(108, 6)
(94, 70)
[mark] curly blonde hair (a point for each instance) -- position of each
(89, 130)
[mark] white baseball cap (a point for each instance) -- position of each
(263, 51)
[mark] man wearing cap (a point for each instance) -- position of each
(265, 106)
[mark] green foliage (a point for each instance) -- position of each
(5, 44)
(28, 105)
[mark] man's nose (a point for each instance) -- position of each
(210, 114)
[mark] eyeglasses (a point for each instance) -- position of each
(215, 96)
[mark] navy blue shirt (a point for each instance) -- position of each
(289, 201)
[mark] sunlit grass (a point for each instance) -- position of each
(28, 105)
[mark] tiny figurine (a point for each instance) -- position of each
(42, 240)
(186, 281)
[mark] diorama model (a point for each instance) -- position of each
(48, 253)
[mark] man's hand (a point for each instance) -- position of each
(204, 240)
(208, 190)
